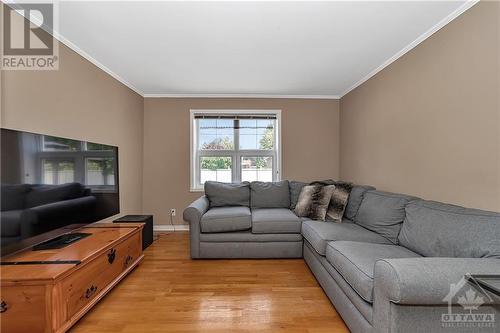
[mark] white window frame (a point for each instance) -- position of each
(236, 162)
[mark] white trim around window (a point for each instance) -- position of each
(195, 154)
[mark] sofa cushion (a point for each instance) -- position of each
(319, 233)
(355, 198)
(270, 194)
(295, 188)
(225, 194)
(436, 229)
(383, 213)
(13, 196)
(10, 223)
(355, 261)
(45, 194)
(225, 219)
(275, 221)
(248, 237)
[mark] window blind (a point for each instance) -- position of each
(235, 121)
(235, 117)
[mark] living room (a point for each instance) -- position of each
(272, 148)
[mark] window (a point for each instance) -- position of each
(100, 171)
(234, 146)
(61, 160)
(257, 168)
(55, 171)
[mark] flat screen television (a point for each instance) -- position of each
(51, 185)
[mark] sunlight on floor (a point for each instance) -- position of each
(169, 292)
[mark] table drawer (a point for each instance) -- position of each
(23, 309)
(81, 287)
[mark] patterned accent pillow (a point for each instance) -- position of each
(314, 201)
(339, 200)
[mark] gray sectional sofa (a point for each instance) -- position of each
(243, 221)
(395, 264)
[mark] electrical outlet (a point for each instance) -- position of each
(172, 212)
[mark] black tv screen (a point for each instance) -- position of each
(51, 184)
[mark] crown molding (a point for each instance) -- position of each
(240, 96)
(459, 11)
(96, 63)
(73, 47)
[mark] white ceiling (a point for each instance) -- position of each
(295, 49)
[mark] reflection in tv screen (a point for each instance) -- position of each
(49, 182)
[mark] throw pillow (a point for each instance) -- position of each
(295, 188)
(323, 182)
(338, 202)
(313, 201)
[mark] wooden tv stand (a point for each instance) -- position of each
(48, 291)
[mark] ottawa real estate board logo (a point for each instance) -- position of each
(27, 33)
(477, 311)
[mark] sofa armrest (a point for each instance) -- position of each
(426, 281)
(196, 209)
(46, 217)
(193, 214)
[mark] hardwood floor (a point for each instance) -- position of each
(169, 292)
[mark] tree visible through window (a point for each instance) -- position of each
(100, 171)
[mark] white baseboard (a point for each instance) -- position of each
(170, 227)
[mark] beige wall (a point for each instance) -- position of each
(429, 124)
(80, 101)
(310, 145)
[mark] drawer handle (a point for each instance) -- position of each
(111, 255)
(90, 291)
(3, 307)
(127, 262)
